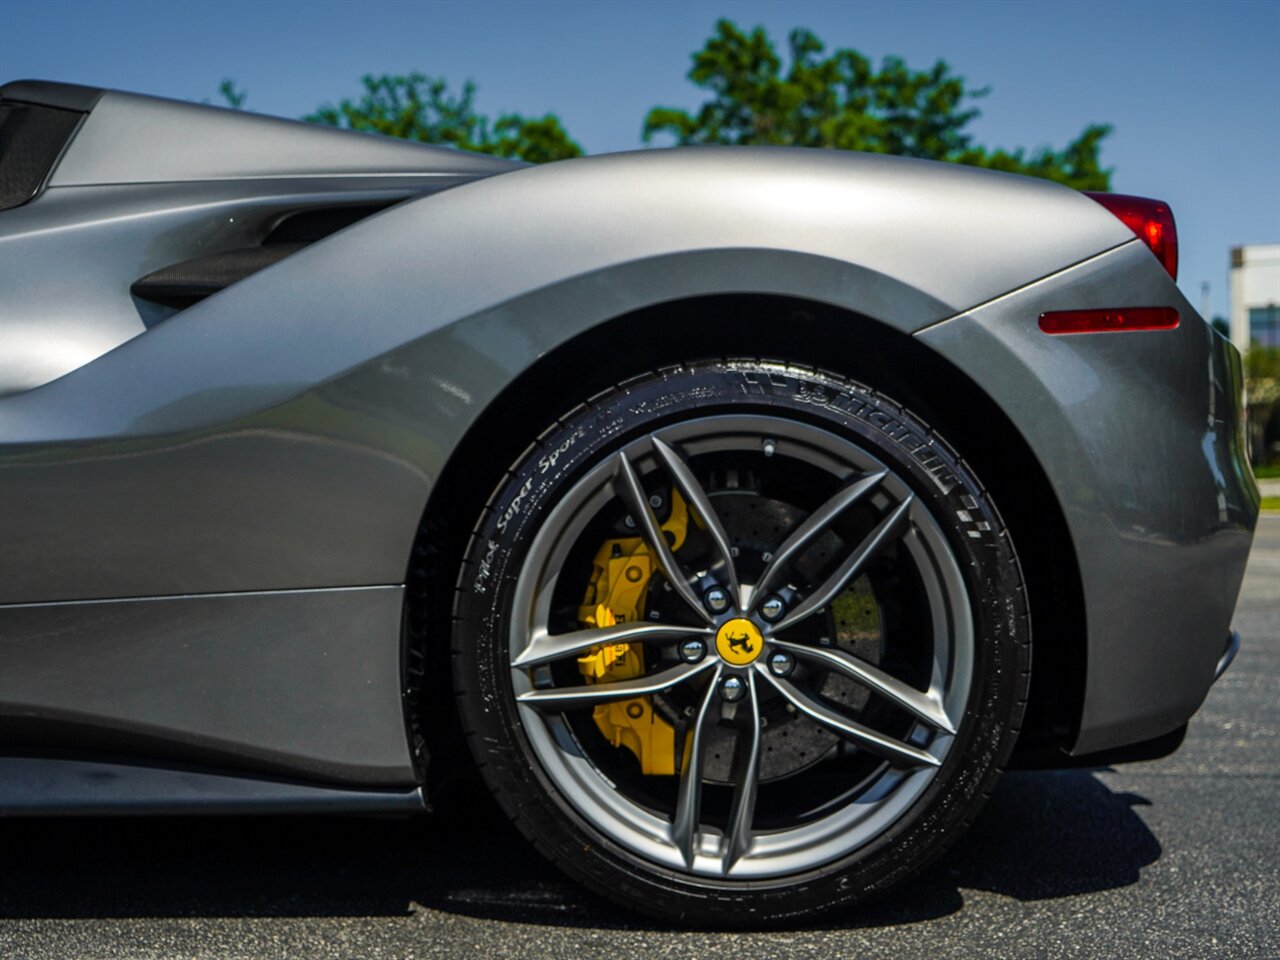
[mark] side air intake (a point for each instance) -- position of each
(182, 284)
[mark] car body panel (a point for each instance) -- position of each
(132, 139)
(103, 238)
(309, 389)
(59, 786)
(1140, 437)
(260, 458)
(297, 683)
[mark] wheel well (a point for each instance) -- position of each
(745, 325)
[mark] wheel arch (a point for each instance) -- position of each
(784, 328)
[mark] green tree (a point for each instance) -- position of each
(844, 101)
(233, 95)
(1262, 384)
(417, 107)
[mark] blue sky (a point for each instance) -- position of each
(1192, 88)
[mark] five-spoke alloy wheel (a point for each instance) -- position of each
(740, 641)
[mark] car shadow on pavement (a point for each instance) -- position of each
(1043, 835)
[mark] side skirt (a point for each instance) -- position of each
(37, 786)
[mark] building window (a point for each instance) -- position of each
(1264, 326)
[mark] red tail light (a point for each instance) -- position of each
(1150, 220)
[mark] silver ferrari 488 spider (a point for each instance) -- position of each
(738, 513)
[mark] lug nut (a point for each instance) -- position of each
(781, 663)
(732, 689)
(716, 599)
(773, 608)
(691, 651)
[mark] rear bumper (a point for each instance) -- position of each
(1140, 436)
(1228, 654)
(1054, 758)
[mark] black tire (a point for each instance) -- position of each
(596, 430)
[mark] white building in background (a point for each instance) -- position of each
(1255, 295)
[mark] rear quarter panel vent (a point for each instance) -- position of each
(182, 284)
(32, 138)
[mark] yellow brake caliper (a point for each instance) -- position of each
(616, 594)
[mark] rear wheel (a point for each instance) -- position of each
(738, 642)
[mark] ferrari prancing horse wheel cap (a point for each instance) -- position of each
(739, 642)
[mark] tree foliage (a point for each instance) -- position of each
(1262, 363)
(417, 107)
(1262, 384)
(841, 101)
(845, 102)
(233, 95)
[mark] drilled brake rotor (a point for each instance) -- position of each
(790, 742)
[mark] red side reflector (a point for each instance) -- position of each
(1151, 222)
(1109, 321)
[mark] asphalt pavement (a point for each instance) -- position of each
(1173, 858)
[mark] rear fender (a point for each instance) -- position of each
(304, 412)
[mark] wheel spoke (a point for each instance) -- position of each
(684, 826)
(747, 770)
(637, 503)
(544, 647)
(566, 698)
(812, 527)
(701, 503)
(885, 532)
(923, 706)
(878, 743)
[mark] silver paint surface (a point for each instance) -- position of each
(295, 683)
(332, 404)
(45, 787)
(1138, 436)
(67, 261)
(285, 433)
(136, 139)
